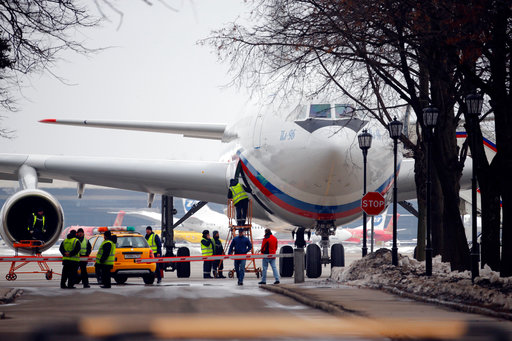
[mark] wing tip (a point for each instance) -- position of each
(48, 120)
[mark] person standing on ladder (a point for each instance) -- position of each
(238, 193)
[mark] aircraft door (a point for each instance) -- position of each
(256, 137)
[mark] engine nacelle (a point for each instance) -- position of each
(16, 216)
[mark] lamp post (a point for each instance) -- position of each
(395, 131)
(430, 115)
(365, 142)
(474, 106)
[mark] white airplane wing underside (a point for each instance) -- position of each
(198, 180)
(198, 130)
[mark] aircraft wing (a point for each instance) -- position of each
(198, 130)
(198, 180)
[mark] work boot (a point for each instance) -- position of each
(207, 276)
(221, 275)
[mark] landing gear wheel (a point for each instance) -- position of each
(286, 263)
(120, 279)
(11, 276)
(231, 274)
(337, 255)
(313, 261)
(49, 275)
(183, 268)
(148, 279)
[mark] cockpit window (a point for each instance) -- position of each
(343, 110)
(320, 111)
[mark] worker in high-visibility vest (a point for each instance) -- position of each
(156, 246)
(85, 251)
(70, 250)
(207, 248)
(37, 224)
(238, 193)
(105, 259)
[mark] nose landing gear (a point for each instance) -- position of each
(316, 255)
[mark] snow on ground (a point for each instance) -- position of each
(375, 270)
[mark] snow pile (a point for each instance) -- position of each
(375, 270)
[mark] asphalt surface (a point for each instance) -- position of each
(219, 308)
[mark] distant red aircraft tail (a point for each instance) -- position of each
(389, 228)
(119, 218)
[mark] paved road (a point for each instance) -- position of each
(219, 306)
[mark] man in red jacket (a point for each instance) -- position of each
(269, 247)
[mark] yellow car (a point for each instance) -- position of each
(130, 245)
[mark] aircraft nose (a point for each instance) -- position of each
(333, 161)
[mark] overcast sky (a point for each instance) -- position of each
(156, 72)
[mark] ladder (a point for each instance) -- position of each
(250, 266)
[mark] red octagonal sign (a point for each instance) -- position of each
(373, 203)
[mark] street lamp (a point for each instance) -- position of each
(365, 142)
(430, 115)
(395, 131)
(474, 106)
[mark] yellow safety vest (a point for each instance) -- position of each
(69, 245)
(152, 243)
(238, 193)
(111, 257)
(34, 222)
(83, 249)
(207, 250)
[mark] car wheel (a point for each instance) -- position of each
(149, 279)
(120, 279)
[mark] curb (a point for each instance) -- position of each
(317, 304)
(453, 305)
(10, 296)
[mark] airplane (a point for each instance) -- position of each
(380, 234)
(204, 219)
(303, 167)
(89, 231)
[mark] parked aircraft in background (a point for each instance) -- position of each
(204, 219)
(89, 231)
(303, 166)
(380, 234)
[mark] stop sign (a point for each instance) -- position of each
(373, 203)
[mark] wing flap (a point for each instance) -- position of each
(198, 130)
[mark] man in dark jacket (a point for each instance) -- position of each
(85, 251)
(269, 247)
(70, 249)
(241, 245)
(207, 247)
(218, 265)
(156, 246)
(238, 193)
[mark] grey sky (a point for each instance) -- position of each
(156, 73)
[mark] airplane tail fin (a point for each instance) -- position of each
(187, 204)
(119, 218)
(380, 220)
(389, 228)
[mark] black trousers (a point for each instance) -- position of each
(218, 267)
(207, 268)
(241, 211)
(83, 273)
(103, 274)
(69, 271)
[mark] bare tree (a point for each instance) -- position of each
(380, 54)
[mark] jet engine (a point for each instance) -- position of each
(17, 215)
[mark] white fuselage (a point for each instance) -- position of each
(303, 171)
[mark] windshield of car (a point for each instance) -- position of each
(97, 243)
(131, 241)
